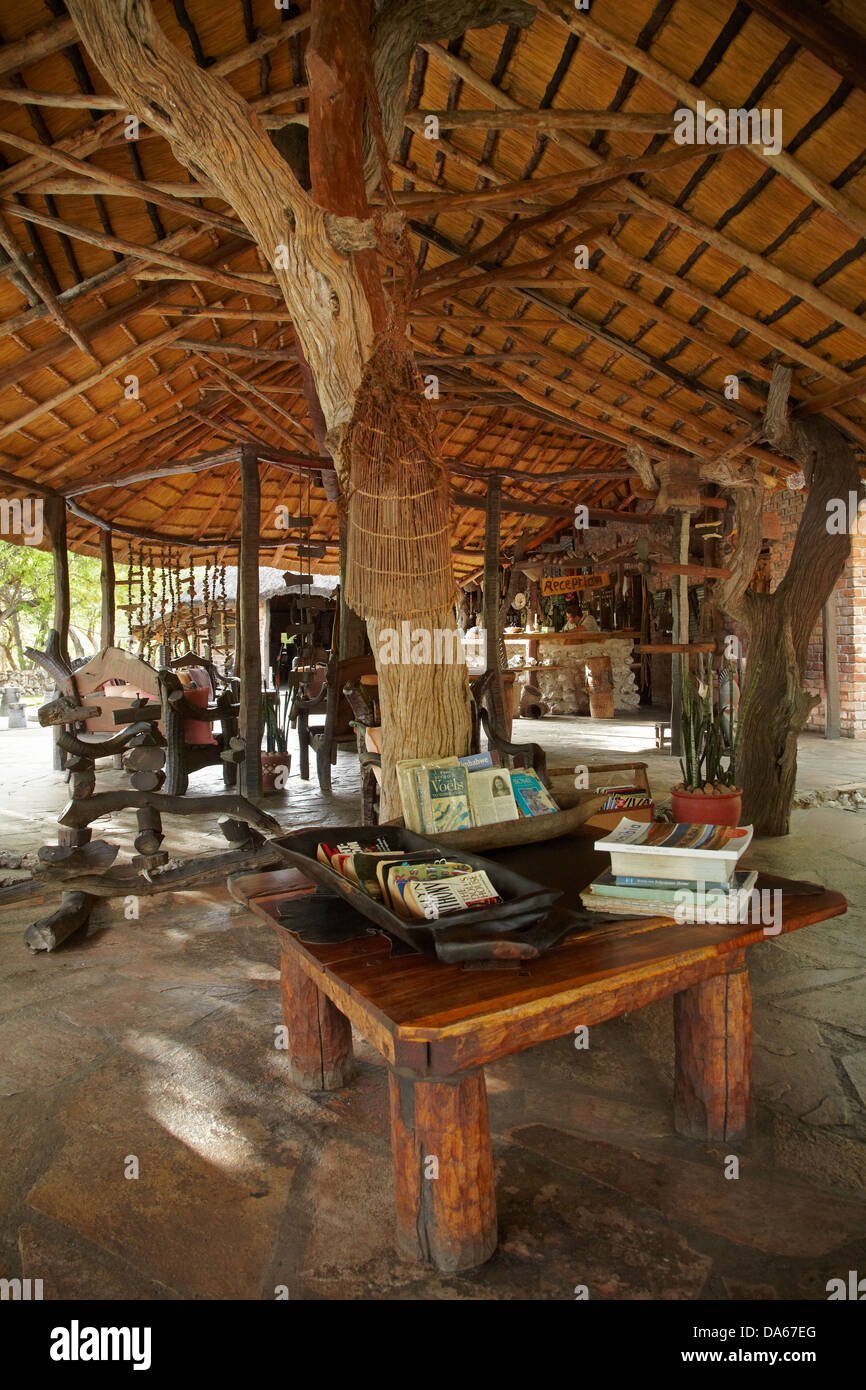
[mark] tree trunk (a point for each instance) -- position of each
(492, 528)
(322, 249)
(424, 704)
(773, 720)
(779, 625)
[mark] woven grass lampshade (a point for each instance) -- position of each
(398, 550)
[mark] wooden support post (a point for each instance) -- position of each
(55, 517)
(319, 1036)
(249, 647)
(443, 1170)
(496, 687)
(106, 637)
(832, 694)
(680, 634)
(713, 1040)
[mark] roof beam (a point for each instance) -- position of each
(39, 44)
(128, 187)
(144, 252)
(34, 277)
(686, 92)
(607, 172)
(653, 203)
(662, 124)
(821, 32)
(197, 464)
(77, 388)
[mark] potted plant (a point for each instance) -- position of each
(708, 793)
(275, 729)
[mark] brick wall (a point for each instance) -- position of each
(850, 601)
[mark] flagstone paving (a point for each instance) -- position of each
(152, 1147)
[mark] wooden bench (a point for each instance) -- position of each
(437, 1025)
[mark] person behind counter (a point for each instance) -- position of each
(578, 621)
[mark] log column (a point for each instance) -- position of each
(319, 1036)
(713, 1037)
(106, 638)
(247, 615)
(832, 692)
(443, 1170)
(680, 633)
(55, 520)
(496, 688)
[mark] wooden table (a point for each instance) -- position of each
(437, 1025)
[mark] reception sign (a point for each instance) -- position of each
(573, 583)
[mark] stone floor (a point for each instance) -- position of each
(149, 1044)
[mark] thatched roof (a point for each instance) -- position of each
(717, 264)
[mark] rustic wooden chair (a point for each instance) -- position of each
(195, 698)
(362, 694)
(336, 728)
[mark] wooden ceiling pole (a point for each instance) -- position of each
(657, 204)
(650, 270)
(117, 183)
(39, 44)
(782, 164)
(144, 252)
(34, 277)
(78, 387)
(606, 172)
(542, 120)
(117, 273)
(819, 31)
(756, 327)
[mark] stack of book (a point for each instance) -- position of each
(418, 886)
(457, 793)
(684, 871)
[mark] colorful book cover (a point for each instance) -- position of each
(666, 890)
(473, 762)
(627, 801)
(399, 876)
(530, 793)
(443, 793)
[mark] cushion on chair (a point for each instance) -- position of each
(198, 731)
(195, 678)
(373, 739)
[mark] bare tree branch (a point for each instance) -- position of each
(399, 27)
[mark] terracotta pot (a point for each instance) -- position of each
(716, 809)
(271, 764)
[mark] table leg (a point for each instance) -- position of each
(713, 1035)
(319, 1036)
(443, 1168)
